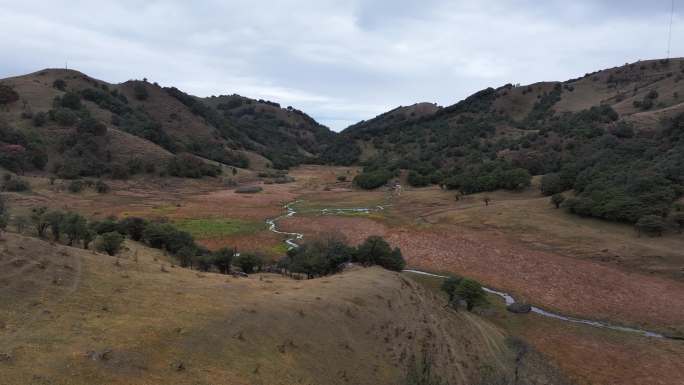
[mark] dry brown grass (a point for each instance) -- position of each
(132, 322)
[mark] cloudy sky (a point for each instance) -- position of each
(340, 61)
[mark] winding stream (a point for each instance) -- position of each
(292, 237)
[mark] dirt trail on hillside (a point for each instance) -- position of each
(556, 282)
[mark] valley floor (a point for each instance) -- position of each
(519, 243)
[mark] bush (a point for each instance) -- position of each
(120, 172)
(370, 180)
(16, 184)
(166, 236)
(70, 100)
(651, 225)
(416, 179)
(678, 219)
(140, 91)
(248, 189)
(249, 263)
(63, 116)
(39, 119)
(7, 95)
(102, 187)
(59, 84)
(189, 166)
(91, 126)
(109, 243)
(471, 292)
(557, 199)
(376, 251)
(76, 186)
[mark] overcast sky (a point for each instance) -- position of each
(339, 61)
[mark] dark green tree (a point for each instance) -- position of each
(651, 225)
(109, 243)
(471, 292)
(557, 199)
(248, 263)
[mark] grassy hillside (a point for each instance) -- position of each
(74, 316)
(614, 137)
(70, 124)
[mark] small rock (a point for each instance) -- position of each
(5, 357)
(519, 308)
(178, 366)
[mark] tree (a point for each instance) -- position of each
(651, 225)
(88, 237)
(186, 255)
(133, 227)
(551, 184)
(222, 259)
(38, 220)
(109, 243)
(248, 263)
(376, 251)
(557, 199)
(449, 286)
(471, 292)
(75, 227)
(486, 199)
(55, 219)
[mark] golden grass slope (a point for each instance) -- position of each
(71, 316)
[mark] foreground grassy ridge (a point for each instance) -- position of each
(132, 322)
(218, 227)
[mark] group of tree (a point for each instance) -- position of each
(329, 254)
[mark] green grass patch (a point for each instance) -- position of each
(218, 227)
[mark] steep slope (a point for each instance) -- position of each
(72, 316)
(112, 124)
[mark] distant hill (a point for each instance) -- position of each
(66, 122)
(613, 136)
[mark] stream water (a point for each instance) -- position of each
(293, 237)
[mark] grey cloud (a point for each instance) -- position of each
(339, 61)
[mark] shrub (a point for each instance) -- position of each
(55, 219)
(370, 180)
(16, 184)
(471, 292)
(248, 263)
(75, 186)
(109, 243)
(651, 225)
(248, 189)
(39, 119)
(557, 199)
(59, 84)
(187, 256)
(70, 100)
(63, 116)
(166, 236)
(107, 225)
(102, 187)
(140, 91)
(416, 179)
(120, 171)
(7, 95)
(189, 166)
(91, 126)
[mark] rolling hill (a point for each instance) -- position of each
(62, 120)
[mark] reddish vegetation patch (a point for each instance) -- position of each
(569, 285)
(609, 358)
